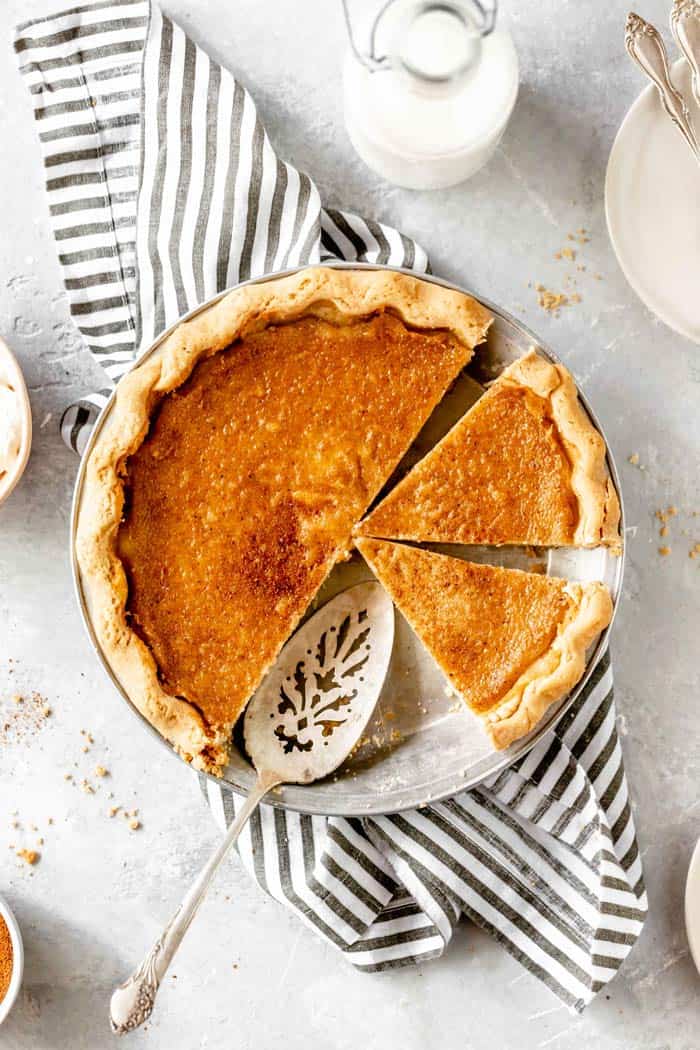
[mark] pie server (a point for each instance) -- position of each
(307, 716)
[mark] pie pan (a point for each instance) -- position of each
(422, 745)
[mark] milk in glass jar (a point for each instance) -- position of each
(428, 89)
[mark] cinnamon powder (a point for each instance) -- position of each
(6, 958)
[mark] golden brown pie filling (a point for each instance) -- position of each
(245, 490)
(509, 470)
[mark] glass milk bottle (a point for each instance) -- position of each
(428, 98)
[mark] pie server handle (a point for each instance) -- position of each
(133, 1001)
(646, 48)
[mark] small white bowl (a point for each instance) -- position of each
(10, 368)
(17, 960)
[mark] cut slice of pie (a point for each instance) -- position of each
(524, 466)
(232, 469)
(512, 643)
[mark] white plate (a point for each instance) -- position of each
(652, 206)
(692, 906)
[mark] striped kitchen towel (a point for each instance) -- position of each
(163, 189)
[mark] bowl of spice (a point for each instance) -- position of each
(15, 422)
(11, 959)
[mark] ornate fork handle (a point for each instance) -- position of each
(132, 1002)
(646, 48)
(685, 26)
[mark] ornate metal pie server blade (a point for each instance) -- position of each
(646, 47)
(303, 722)
(685, 26)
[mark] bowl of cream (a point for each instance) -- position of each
(15, 422)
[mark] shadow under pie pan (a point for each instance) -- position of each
(422, 744)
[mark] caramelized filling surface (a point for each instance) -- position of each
(244, 492)
(483, 625)
(502, 475)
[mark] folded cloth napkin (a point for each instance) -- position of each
(163, 189)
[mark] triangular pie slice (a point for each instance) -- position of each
(524, 466)
(511, 643)
(234, 465)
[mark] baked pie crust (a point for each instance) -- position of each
(512, 643)
(235, 462)
(524, 466)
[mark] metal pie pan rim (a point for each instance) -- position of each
(303, 800)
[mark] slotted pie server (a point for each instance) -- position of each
(304, 720)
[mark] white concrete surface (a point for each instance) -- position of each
(249, 975)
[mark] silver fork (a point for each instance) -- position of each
(685, 26)
(645, 46)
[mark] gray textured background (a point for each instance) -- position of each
(249, 974)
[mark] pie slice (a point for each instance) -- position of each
(511, 643)
(233, 467)
(524, 466)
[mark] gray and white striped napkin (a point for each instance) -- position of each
(163, 189)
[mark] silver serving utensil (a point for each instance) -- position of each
(646, 47)
(685, 26)
(304, 720)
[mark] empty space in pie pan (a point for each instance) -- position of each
(422, 744)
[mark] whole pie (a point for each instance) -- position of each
(524, 466)
(512, 643)
(234, 465)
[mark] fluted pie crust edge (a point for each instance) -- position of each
(598, 505)
(555, 673)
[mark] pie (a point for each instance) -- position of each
(234, 465)
(511, 643)
(524, 466)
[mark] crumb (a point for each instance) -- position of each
(46, 711)
(551, 302)
(67, 776)
(633, 459)
(114, 810)
(568, 253)
(87, 787)
(18, 698)
(664, 551)
(100, 771)
(29, 855)
(134, 825)
(663, 531)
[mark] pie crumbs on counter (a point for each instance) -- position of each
(22, 716)
(664, 551)
(31, 856)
